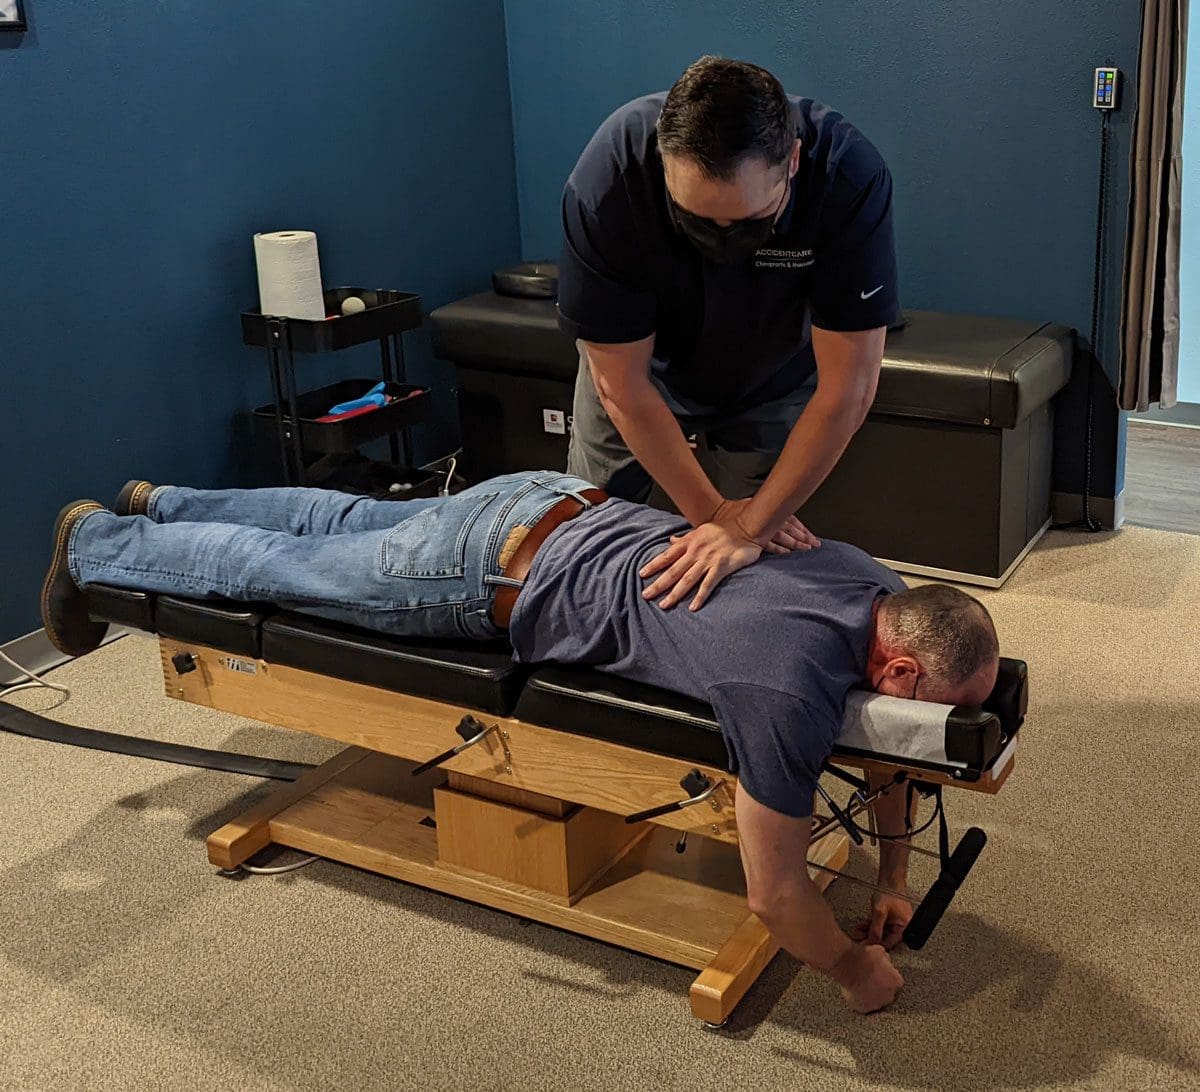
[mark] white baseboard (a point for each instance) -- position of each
(1181, 415)
(1109, 512)
(35, 653)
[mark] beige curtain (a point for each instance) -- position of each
(1150, 309)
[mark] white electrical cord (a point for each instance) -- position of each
(36, 682)
(451, 467)
(276, 870)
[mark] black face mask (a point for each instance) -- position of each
(726, 245)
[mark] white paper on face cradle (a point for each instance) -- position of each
(289, 274)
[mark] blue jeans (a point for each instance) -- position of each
(420, 568)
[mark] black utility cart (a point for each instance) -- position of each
(311, 449)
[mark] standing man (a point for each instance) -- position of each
(728, 269)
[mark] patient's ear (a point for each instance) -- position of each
(902, 666)
(899, 675)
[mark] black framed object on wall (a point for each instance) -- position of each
(12, 15)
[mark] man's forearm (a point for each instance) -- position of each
(651, 432)
(813, 448)
(847, 375)
(801, 920)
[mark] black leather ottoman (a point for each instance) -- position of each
(950, 476)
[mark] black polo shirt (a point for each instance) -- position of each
(726, 336)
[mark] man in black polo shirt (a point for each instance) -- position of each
(729, 270)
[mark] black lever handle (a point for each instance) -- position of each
(859, 784)
(697, 785)
(471, 731)
(469, 727)
(654, 813)
(183, 662)
(851, 829)
(939, 896)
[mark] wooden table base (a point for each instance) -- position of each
(364, 808)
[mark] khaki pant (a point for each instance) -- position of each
(735, 451)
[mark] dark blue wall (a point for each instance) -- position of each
(141, 147)
(982, 111)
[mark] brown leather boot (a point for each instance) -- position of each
(64, 604)
(133, 498)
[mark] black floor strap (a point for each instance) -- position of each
(21, 722)
(943, 828)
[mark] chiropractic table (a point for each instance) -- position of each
(562, 795)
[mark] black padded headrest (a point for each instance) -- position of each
(1009, 699)
(527, 281)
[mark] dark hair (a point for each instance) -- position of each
(949, 632)
(722, 112)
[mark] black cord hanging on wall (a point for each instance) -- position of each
(1088, 522)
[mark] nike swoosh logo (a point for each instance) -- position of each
(868, 295)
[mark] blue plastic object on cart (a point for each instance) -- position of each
(373, 397)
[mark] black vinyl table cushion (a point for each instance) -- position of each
(590, 703)
(478, 674)
(121, 607)
(232, 627)
(606, 707)
(483, 676)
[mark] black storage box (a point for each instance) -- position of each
(950, 475)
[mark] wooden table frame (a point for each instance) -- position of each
(529, 821)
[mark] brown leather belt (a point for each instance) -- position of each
(518, 566)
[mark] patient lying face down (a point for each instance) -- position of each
(775, 650)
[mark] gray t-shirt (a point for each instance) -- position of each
(774, 651)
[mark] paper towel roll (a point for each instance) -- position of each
(289, 274)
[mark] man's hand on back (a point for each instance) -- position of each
(793, 535)
(703, 557)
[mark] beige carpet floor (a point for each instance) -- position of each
(1070, 959)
